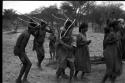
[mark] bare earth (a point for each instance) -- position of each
(11, 64)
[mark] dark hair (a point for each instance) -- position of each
(32, 24)
(114, 24)
(82, 26)
(106, 30)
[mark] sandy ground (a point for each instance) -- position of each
(11, 64)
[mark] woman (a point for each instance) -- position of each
(112, 54)
(82, 58)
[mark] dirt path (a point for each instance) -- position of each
(11, 64)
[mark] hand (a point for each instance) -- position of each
(89, 41)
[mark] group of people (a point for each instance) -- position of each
(39, 32)
(72, 49)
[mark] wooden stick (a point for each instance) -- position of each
(40, 19)
(69, 28)
(28, 21)
(58, 17)
(27, 16)
(24, 20)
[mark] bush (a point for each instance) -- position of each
(7, 25)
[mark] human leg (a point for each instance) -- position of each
(105, 78)
(18, 80)
(82, 75)
(71, 66)
(28, 66)
(58, 72)
(113, 79)
(40, 56)
(75, 75)
(61, 69)
(63, 74)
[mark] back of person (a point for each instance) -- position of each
(19, 50)
(20, 45)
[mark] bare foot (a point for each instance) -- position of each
(18, 81)
(39, 66)
(65, 76)
(25, 81)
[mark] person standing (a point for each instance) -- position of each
(64, 52)
(112, 53)
(39, 41)
(82, 56)
(19, 50)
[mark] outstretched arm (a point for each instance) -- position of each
(84, 43)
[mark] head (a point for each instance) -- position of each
(43, 24)
(106, 30)
(83, 28)
(32, 28)
(115, 25)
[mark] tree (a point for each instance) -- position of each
(47, 13)
(81, 8)
(68, 10)
(105, 11)
(9, 14)
(9, 19)
(37, 11)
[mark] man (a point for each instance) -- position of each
(39, 41)
(19, 50)
(64, 53)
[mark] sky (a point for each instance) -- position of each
(28, 6)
